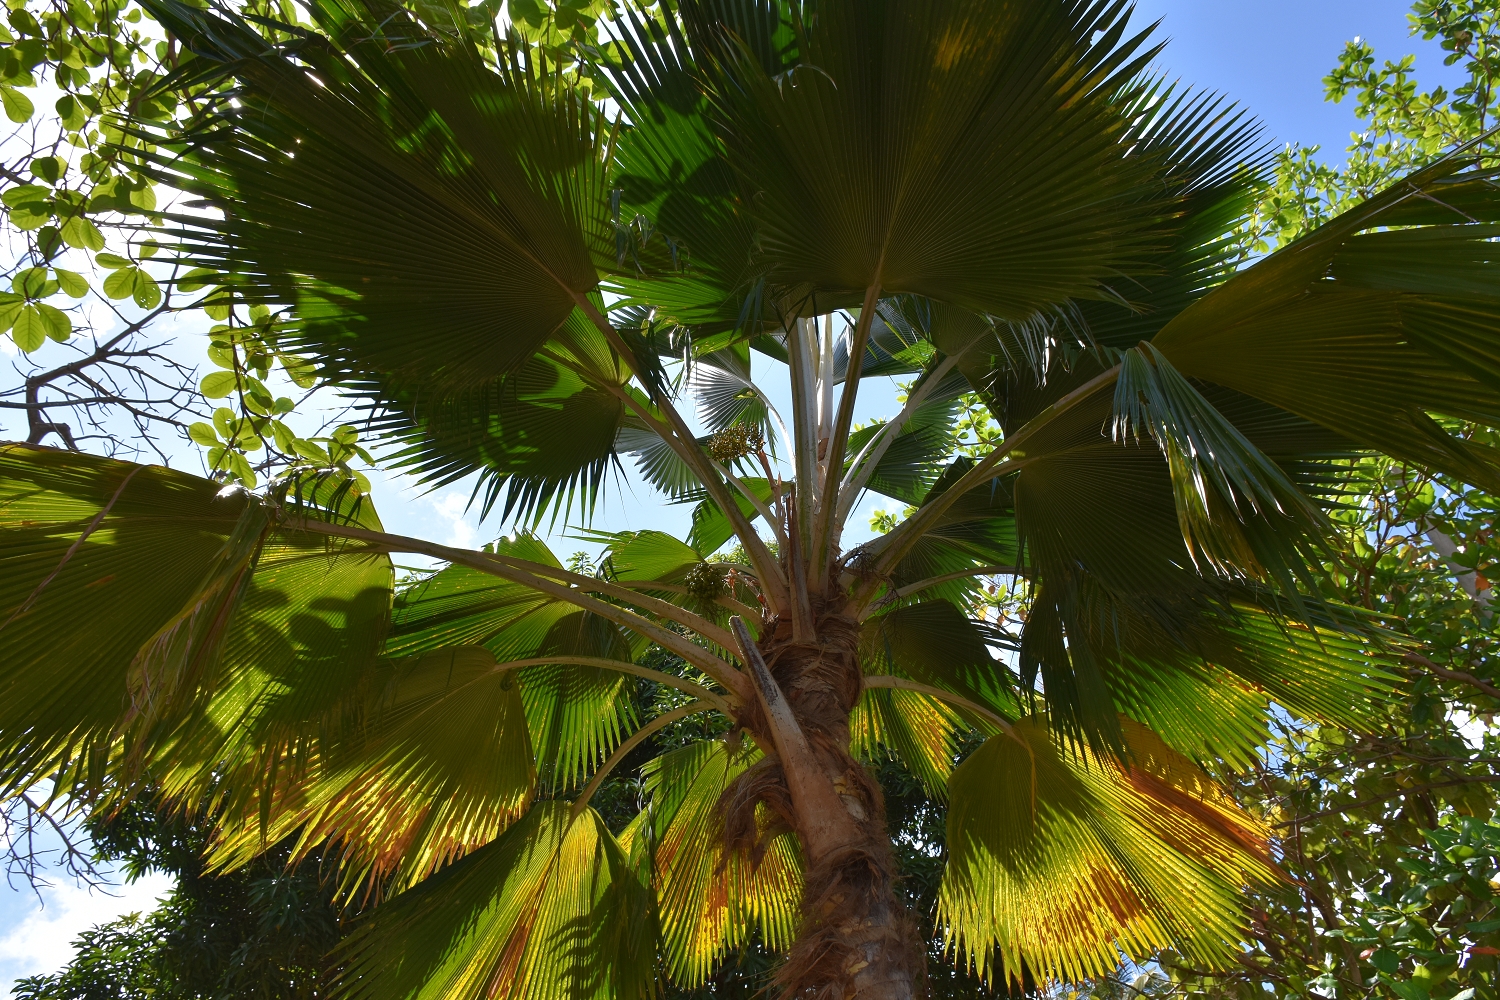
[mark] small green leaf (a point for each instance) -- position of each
(29, 281)
(81, 234)
(217, 385)
(147, 292)
(143, 198)
(30, 329)
(311, 452)
(71, 282)
(1410, 990)
(23, 194)
(48, 168)
(121, 284)
(203, 433)
(18, 107)
(9, 310)
(29, 204)
(49, 241)
(198, 277)
(300, 370)
(58, 326)
(240, 466)
(111, 261)
(284, 438)
(72, 113)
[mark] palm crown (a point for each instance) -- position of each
(523, 281)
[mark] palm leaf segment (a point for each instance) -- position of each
(1014, 211)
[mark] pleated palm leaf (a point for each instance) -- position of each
(986, 198)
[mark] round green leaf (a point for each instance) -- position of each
(23, 194)
(120, 284)
(72, 112)
(144, 198)
(203, 433)
(48, 168)
(217, 385)
(27, 211)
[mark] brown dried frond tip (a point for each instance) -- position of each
(734, 442)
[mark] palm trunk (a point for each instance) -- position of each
(856, 940)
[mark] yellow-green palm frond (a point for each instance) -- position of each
(1065, 860)
(440, 765)
(215, 630)
(918, 729)
(577, 714)
(711, 904)
(553, 910)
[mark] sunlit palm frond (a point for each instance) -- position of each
(1129, 858)
(552, 910)
(142, 539)
(232, 644)
(850, 152)
(712, 903)
(917, 729)
(431, 764)
(575, 713)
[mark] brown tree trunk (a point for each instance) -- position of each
(856, 940)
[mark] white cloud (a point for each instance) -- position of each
(42, 941)
(450, 507)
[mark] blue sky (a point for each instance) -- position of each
(1268, 55)
(1271, 56)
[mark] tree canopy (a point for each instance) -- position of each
(608, 216)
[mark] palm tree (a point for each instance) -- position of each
(523, 281)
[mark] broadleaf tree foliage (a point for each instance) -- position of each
(669, 208)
